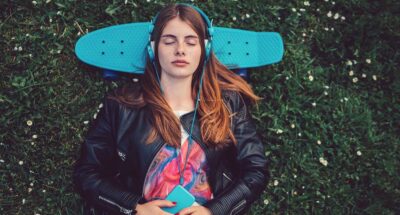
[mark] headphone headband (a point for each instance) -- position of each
(203, 15)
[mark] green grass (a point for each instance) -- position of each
(311, 97)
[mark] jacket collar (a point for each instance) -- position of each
(186, 121)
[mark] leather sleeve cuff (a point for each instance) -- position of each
(231, 202)
(116, 199)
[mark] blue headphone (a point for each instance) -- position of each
(207, 42)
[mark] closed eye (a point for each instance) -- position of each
(191, 41)
(169, 41)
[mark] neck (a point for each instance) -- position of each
(178, 93)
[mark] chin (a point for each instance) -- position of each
(182, 76)
(180, 73)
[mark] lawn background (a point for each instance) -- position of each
(330, 118)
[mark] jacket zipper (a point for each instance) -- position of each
(122, 209)
(241, 203)
(226, 176)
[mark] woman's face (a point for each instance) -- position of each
(179, 50)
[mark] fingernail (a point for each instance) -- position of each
(174, 203)
(177, 214)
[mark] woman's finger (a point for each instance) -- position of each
(188, 210)
(163, 203)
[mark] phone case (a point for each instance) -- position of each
(182, 197)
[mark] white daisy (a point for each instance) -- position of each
(29, 122)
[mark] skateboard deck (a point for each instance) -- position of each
(122, 48)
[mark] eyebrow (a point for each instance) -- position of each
(173, 36)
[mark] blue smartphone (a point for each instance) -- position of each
(182, 197)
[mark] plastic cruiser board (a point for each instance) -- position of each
(123, 48)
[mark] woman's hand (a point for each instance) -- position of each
(154, 207)
(195, 210)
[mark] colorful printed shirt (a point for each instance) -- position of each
(163, 174)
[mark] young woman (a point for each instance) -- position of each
(185, 123)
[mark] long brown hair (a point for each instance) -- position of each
(213, 114)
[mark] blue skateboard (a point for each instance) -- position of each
(122, 48)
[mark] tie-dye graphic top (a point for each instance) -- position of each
(163, 174)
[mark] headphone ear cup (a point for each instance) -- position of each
(150, 50)
(207, 47)
(152, 46)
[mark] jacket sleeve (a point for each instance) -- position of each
(96, 168)
(237, 199)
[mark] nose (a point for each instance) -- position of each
(180, 49)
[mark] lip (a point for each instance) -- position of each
(180, 63)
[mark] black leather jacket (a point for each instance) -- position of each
(114, 160)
